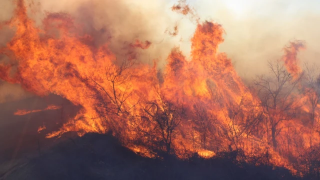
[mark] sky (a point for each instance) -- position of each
(257, 30)
(258, 7)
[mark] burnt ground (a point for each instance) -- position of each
(95, 156)
(19, 139)
(26, 154)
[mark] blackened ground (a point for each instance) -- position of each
(19, 139)
(95, 156)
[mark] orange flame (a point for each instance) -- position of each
(41, 128)
(290, 57)
(25, 112)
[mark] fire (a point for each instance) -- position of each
(290, 57)
(197, 105)
(183, 8)
(206, 154)
(41, 128)
(25, 112)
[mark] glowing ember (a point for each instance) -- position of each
(206, 154)
(41, 128)
(25, 112)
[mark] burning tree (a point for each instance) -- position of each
(203, 124)
(161, 120)
(112, 94)
(245, 119)
(277, 93)
(311, 89)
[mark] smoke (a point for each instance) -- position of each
(258, 31)
(120, 24)
(8, 92)
(11, 92)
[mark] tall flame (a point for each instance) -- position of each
(290, 58)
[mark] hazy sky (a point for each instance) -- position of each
(257, 30)
(243, 8)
